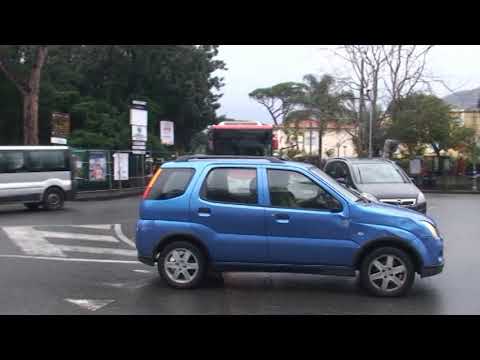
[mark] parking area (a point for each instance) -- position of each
(82, 261)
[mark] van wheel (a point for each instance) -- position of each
(387, 272)
(182, 265)
(32, 206)
(53, 199)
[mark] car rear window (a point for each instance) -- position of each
(171, 183)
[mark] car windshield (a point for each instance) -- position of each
(378, 173)
(350, 195)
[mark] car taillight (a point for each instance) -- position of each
(150, 184)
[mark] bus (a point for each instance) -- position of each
(37, 176)
(245, 138)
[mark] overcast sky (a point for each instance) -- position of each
(255, 66)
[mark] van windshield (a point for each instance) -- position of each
(347, 193)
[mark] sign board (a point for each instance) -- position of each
(60, 125)
(98, 166)
(59, 141)
(167, 133)
(139, 133)
(138, 143)
(120, 166)
(139, 147)
(139, 152)
(138, 117)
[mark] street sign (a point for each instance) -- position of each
(139, 152)
(139, 133)
(58, 141)
(139, 103)
(167, 133)
(138, 143)
(60, 125)
(138, 117)
(139, 147)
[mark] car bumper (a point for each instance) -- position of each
(432, 271)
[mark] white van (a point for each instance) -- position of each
(36, 176)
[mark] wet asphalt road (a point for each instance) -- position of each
(33, 282)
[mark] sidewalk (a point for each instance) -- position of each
(108, 194)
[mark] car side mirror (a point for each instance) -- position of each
(335, 207)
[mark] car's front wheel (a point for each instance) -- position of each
(182, 265)
(387, 272)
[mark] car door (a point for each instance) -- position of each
(306, 224)
(227, 209)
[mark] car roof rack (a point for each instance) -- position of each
(187, 158)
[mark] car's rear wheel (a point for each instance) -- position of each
(387, 272)
(182, 265)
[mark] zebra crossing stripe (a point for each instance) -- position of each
(31, 243)
(97, 250)
(75, 236)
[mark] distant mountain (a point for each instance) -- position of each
(468, 99)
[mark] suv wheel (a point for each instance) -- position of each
(387, 272)
(53, 199)
(182, 265)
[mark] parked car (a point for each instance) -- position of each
(381, 178)
(203, 215)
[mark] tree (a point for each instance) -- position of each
(279, 100)
(381, 75)
(22, 65)
(96, 84)
(420, 119)
(320, 102)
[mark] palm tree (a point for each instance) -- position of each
(319, 102)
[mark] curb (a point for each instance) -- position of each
(107, 195)
(466, 192)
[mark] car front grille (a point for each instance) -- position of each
(400, 202)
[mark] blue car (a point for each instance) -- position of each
(204, 215)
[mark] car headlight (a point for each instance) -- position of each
(432, 229)
(421, 198)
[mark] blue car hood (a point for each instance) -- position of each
(388, 215)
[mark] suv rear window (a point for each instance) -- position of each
(171, 183)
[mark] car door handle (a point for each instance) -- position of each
(204, 212)
(282, 218)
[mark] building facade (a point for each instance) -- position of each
(304, 137)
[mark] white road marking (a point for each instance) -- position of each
(142, 271)
(118, 231)
(98, 227)
(92, 305)
(74, 236)
(64, 259)
(31, 242)
(97, 250)
(35, 242)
